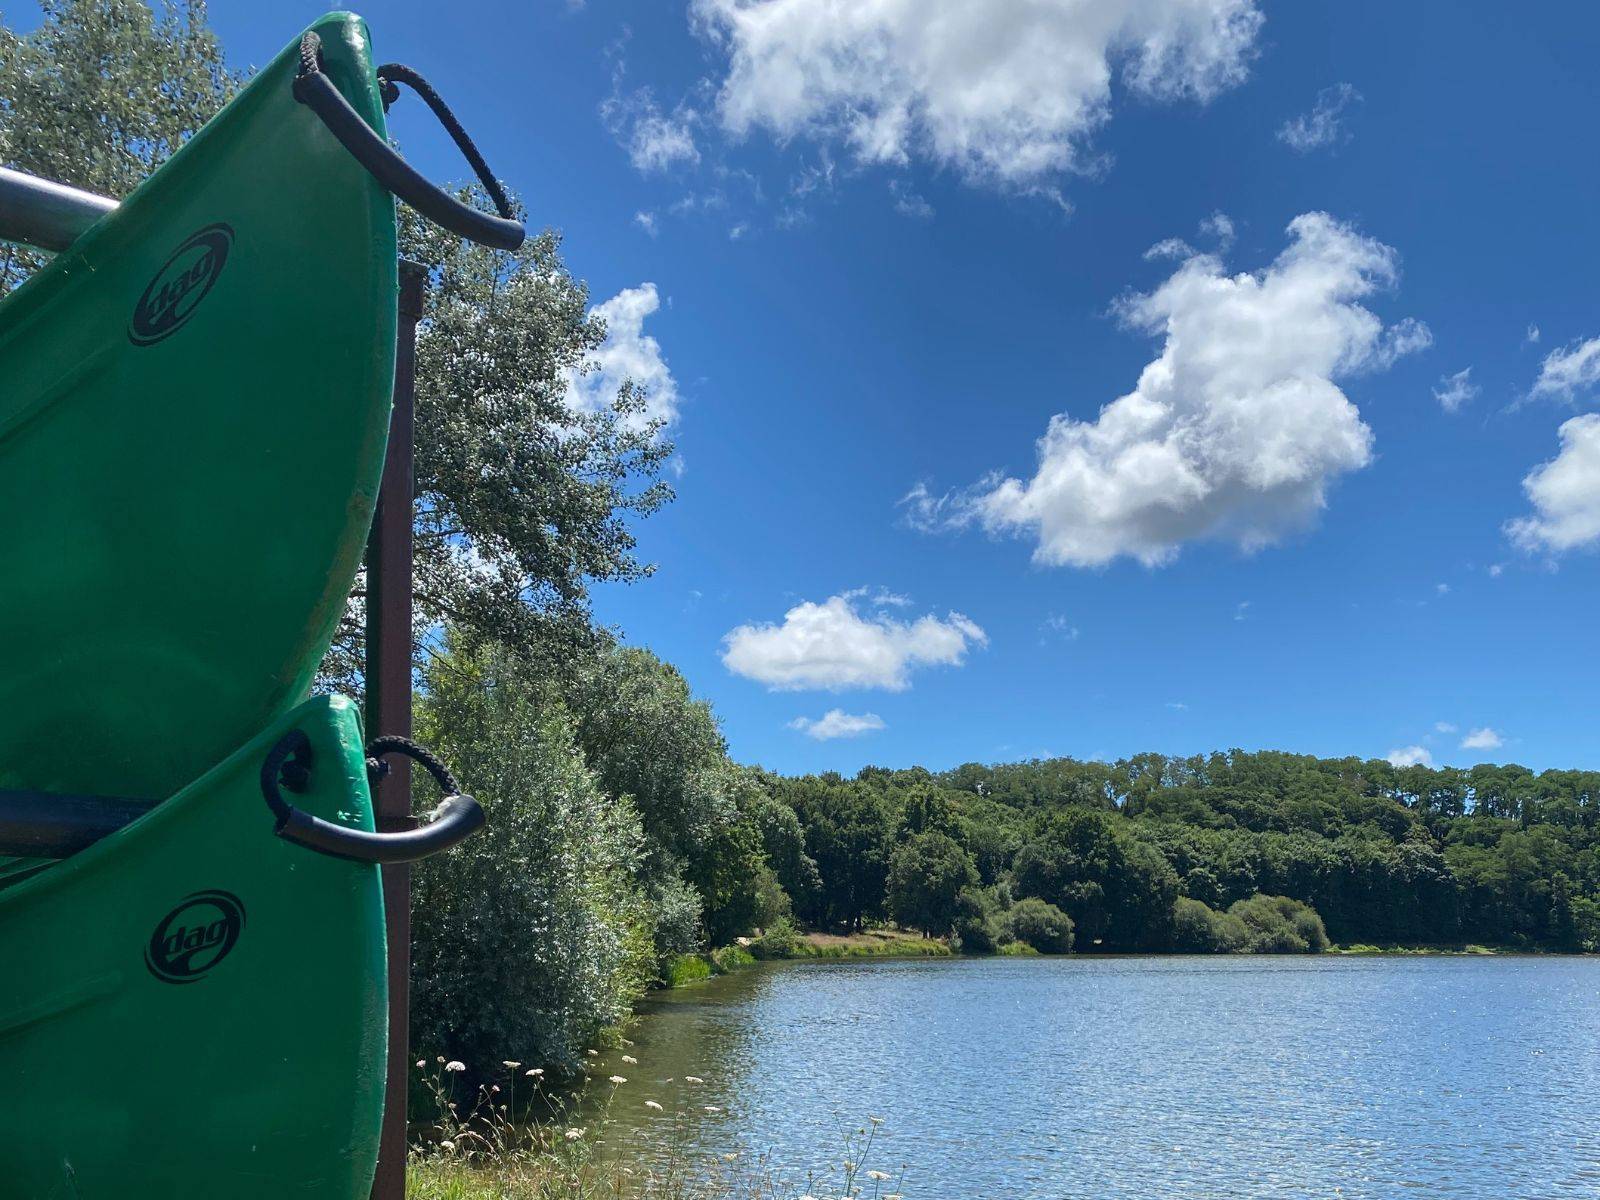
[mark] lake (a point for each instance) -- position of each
(1143, 1077)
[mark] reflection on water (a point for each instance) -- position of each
(1146, 1077)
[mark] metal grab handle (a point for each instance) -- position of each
(315, 90)
(456, 819)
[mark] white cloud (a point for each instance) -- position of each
(1443, 727)
(646, 221)
(1219, 225)
(834, 646)
(1568, 371)
(655, 140)
(737, 231)
(1453, 391)
(1167, 248)
(1060, 626)
(1532, 336)
(836, 723)
(880, 596)
(1410, 756)
(1235, 431)
(908, 202)
(1441, 589)
(1241, 610)
(628, 354)
(1565, 493)
(1321, 126)
(1482, 739)
(1008, 91)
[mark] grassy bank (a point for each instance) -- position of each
(522, 1140)
(1363, 949)
(871, 943)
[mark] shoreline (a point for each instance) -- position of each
(901, 944)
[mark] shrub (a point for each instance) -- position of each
(1041, 925)
(725, 959)
(1279, 925)
(1200, 929)
(686, 968)
(976, 925)
(675, 909)
(781, 940)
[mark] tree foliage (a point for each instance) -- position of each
(532, 936)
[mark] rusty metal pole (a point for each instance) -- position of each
(388, 680)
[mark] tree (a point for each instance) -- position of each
(926, 874)
(532, 936)
(102, 93)
(524, 497)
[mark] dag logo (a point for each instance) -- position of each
(195, 936)
(180, 285)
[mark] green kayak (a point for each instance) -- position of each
(194, 1007)
(194, 404)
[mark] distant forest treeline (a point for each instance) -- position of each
(1129, 851)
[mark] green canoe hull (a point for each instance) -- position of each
(194, 405)
(195, 1007)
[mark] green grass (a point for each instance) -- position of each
(687, 968)
(873, 943)
(725, 959)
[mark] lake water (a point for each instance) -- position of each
(1144, 1077)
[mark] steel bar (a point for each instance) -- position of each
(42, 213)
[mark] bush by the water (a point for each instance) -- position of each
(1260, 925)
(1040, 924)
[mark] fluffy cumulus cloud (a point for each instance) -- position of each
(1568, 371)
(1565, 493)
(1483, 739)
(1324, 124)
(836, 645)
(1236, 430)
(1008, 90)
(836, 723)
(628, 354)
(1410, 756)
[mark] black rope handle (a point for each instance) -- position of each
(315, 90)
(288, 764)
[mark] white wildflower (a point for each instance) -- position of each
(455, 1064)
(618, 1079)
(652, 1104)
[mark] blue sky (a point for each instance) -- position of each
(866, 251)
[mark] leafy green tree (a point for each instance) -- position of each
(976, 923)
(926, 874)
(523, 498)
(929, 809)
(532, 936)
(849, 835)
